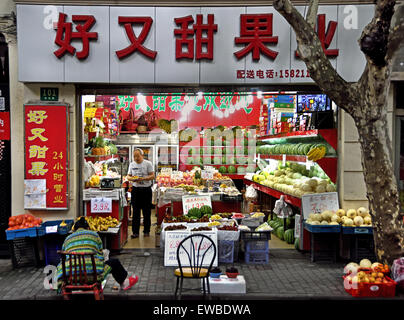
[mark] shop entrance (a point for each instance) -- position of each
(172, 128)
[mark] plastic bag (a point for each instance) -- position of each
(397, 272)
(282, 209)
(251, 194)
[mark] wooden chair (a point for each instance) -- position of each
(194, 250)
(77, 280)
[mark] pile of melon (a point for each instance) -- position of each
(350, 218)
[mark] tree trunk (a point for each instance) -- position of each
(381, 188)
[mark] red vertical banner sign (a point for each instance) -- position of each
(47, 150)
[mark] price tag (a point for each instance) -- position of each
(51, 229)
(284, 159)
(309, 163)
(101, 205)
(319, 202)
(206, 174)
(189, 202)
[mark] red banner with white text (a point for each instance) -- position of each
(47, 150)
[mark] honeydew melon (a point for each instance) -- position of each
(367, 220)
(351, 213)
(330, 188)
(362, 212)
(358, 220)
(340, 212)
(349, 222)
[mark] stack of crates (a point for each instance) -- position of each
(53, 242)
(256, 247)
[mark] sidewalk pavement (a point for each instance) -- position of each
(288, 275)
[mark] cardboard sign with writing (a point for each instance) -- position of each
(101, 205)
(206, 174)
(206, 244)
(317, 203)
(195, 201)
(172, 240)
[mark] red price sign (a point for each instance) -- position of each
(46, 150)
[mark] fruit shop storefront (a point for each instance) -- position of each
(208, 105)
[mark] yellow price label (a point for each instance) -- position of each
(89, 112)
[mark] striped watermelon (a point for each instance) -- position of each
(297, 244)
(289, 236)
(280, 233)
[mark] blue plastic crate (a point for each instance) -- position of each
(257, 257)
(60, 230)
(52, 244)
(357, 230)
(226, 251)
(256, 245)
(322, 228)
(21, 233)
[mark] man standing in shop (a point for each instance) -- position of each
(141, 173)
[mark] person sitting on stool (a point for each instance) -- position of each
(85, 240)
(141, 173)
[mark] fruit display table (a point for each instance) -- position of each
(120, 211)
(175, 208)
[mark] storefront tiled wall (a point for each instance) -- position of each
(351, 182)
(31, 92)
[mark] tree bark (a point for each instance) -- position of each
(366, 102)
(381, 186)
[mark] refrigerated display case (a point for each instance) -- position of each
(123, 160)
(167, 156)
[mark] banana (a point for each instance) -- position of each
(313, 155)
(311, 152)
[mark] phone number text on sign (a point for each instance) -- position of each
(101, 205)
(272, 74)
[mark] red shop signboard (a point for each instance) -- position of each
(47, 150)
(207, 110)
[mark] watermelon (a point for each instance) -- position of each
(289, 236)
(217, 160)
(250, 169)
(241, 170)
(297, 244)
(290, 222)
(206, 210)
(231, 169)
(280, 233)
(222, 169)
(194, 213)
